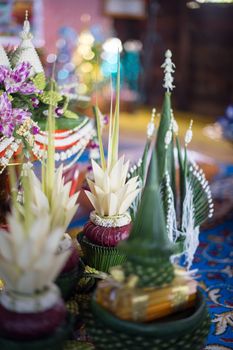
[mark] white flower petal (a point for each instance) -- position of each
(127, 201)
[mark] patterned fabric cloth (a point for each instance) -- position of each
(214, 260)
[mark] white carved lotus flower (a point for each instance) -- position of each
(61, 206)
(29, 258)
(110, 194)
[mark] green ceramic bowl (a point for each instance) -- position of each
(185, 331)
(54, 342)
(99, 257)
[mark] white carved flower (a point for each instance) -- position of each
(29, 258)
(62, 206)
(110, 193)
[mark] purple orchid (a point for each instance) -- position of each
(16, 80)
(59, 111)
(10, 117)
(3, 73)
(35, 102)
(35, 130)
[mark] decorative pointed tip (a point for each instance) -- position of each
(168, 66)
(168, 54)
(25, 34)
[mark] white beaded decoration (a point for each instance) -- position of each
(168, 66)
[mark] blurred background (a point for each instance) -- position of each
(84, 37)
(199, 33)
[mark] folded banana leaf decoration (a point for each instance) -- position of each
(195, 201)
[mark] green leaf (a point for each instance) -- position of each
(69, 114)
(164, 125)
(165, 197)
(50, 97)
(115, 130)
(61, 123)
(39, 81)
(15, 56)
(98, 123)
(139, 170)
(148, 237)
(201, 202)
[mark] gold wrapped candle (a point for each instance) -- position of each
(144, 305)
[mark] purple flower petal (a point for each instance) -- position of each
(3, 73)
(22, 71)
(8, 129)
(5, 104)
(59, 111)
(35, 130)
(16, 80)
(10, 117)
(28, 88)
(20, 115)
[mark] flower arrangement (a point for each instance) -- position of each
(24, 269)
(40, 103)
(17, 94)
(25, 95)
(54, 193)
(111, 196)
(29, 263)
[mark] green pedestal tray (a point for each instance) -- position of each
(176, 333)
(99, 257)
(55, 341)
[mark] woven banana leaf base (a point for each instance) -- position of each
(109, 332)
(154, 274)
(99, 257)
(54, 342)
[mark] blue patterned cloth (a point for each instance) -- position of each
(214, 260)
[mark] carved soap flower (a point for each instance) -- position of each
(58, 202)
(29, 258)
(110, 193)
(10, 117)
